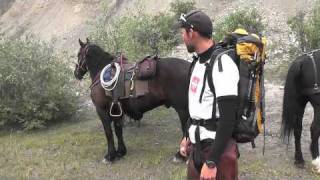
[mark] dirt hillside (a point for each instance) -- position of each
(64, 21)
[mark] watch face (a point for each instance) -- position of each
(211, 164)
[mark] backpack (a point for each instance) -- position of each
(248, 52)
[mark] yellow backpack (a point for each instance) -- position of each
(249, 55)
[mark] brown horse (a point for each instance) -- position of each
(169, 87)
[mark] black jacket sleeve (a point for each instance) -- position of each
(227, 109)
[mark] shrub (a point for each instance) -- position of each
(250, 20)
(178, 7)
(34, 85)
(306, 29)
(139, 34)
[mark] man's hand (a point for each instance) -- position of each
(185, 142)
(208, 173)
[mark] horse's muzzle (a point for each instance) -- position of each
(78, 73)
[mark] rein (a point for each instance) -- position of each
(95, 81)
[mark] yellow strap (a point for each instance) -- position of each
(258, 108)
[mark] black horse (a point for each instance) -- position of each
(169, 87)
(301, 87)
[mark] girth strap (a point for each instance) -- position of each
(315, 89)
(117, 92)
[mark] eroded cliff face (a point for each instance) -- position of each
(5, 5)
(67, 20)
(63, 21)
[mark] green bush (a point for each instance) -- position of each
(179, 6)
(136, 36)
(249, 19)
(307, 29)
(139, 34)
(35, 87)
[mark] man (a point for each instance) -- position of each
(212, 120)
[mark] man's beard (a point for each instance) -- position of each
(190, 48)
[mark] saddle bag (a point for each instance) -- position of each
(147, 68)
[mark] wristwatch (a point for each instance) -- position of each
(211, 164)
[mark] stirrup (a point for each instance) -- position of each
(120, 108)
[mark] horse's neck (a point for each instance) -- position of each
(95, 71)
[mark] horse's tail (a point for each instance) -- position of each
(289, 102)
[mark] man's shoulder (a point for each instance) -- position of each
(224, 60)
(223, 52)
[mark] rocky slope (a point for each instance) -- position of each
(64, 21)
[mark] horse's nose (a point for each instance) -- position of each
(77, 75)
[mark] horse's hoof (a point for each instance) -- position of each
(299, 164)
(121, 153)
(316, 165)
(316, 162)
(315, 170)
(178, 158)
(110, 157)
(106, 162)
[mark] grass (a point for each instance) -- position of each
(74, 151)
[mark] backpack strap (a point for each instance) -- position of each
(216, 55)
(194, 61)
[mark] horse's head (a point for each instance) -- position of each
(91, 58)
(82, 66)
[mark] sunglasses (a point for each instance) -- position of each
(184, 21)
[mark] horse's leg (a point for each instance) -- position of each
(299, 161)
(106, 122)
(121, 151)
(183, 116)
(315, 132)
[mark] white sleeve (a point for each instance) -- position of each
(225, 82)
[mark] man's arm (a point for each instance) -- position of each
(227, 109)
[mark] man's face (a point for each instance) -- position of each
(189, 38)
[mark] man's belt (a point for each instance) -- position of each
(209, 124)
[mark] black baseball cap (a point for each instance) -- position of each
(196, 20)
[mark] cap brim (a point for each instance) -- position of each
(177, 25)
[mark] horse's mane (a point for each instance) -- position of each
(97, 53)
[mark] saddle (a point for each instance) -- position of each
(146, 68)
(131, 80)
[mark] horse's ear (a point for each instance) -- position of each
(88, 41)
(81, 43)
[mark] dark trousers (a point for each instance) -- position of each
(227, 168)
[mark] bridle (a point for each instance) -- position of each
(82, 64)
